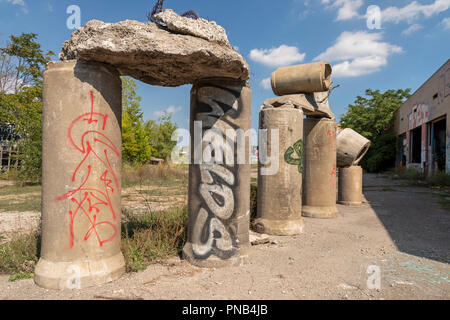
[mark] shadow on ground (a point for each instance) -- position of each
(412, 216)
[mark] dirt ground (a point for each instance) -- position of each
(402, 231)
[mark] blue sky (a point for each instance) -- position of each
(411, 45)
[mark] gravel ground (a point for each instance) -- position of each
(402, 232)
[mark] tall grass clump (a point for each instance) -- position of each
(153, 236)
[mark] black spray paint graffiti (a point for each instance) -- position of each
(214, 231)
(298, 149)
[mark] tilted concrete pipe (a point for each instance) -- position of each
(351, 147)
(303, 78)
(350, 186)
(81, 176)
(280, 194)
(319, 177)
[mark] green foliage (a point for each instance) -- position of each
(141, 141)
(26, 59)
(135, 146)
(160, 135)
(373, 117)
(23, 108)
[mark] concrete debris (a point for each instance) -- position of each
(200, 28)
(154, 55)
(257, 238)
(313, 104)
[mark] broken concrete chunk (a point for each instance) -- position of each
(313, 104)
(257, 238)
(153, 55)
(201, 28)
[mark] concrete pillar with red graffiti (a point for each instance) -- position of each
(219, 173)
(81, 174)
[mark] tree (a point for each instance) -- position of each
(21, 72)
(21, 63)
(160, 135)
(373, 117)
(135, 146)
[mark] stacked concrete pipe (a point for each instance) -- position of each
(307, 148)
(351, 148)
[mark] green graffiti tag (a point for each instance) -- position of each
(298, 149)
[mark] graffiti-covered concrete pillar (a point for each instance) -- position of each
(350, 186)
(319, 177)
(219, 173)
(81, 172)
(280, 194)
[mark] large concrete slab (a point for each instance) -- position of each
(153, 54)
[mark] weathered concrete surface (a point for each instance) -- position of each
(350, 186)
(200, 28)
(81, 176)
(280, 195)
(351, 147)
(312, 104)
(219, 174)
(154, 55)
(302, 78)
(319, 177)
(404, 232)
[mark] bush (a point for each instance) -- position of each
(152, 237)
(439, 179)
(410, 174)
(19, 256)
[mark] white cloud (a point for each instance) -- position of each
(358, 53)
(169, 110)
(413, 28)
(276, 57)
(20, 3)
(446, 23)
(413, 11)
(347, 9)
(265, 83)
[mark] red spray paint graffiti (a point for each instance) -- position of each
(332, 138)
(86, 135)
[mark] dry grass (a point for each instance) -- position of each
(152, 237)
(161, 175)
(145, 239)
(147, 235)
(19, 256)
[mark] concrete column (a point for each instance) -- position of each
(81, 173)
(219, 173)
(319, 176)
(280, 194)
(350, 186)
